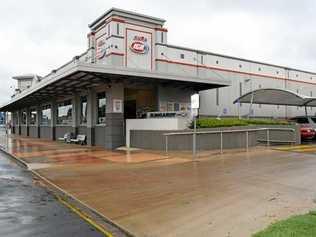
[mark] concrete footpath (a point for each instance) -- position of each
(148, 194)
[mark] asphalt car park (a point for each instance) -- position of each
(27, 209)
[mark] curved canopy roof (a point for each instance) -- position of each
(274, 96)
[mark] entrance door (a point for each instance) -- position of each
(130, 109)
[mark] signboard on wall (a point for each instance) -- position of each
(101, 47)
(195, 101)
(140, 45)
(138, 49)
(195, 104)
(117, 106)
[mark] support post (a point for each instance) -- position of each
(28, 117)
(91, 116)
(38, 120)
(221, 134)
(194, 139)
(268, 137)
(75, 113)
(13, 122)
(53, 119)
(166, 139)
(247, 140)
(306, 111)
(19, 121)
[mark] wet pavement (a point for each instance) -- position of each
(234, 194)
(29, 210)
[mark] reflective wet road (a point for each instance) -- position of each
(28, 210)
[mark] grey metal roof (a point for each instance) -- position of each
(274, 96)
(24, 76)
(128, 14)
(79, 76)
(236, 58)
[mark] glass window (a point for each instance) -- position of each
(117, 28)
(64, 113)
(176, 107)
(183, 107)
(83, 109)
(101, 103)
(24, 115)
(170, 106)
(33, 116)
(46, 115)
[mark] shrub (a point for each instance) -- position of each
(230, 122)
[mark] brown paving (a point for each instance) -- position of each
(58, 153)
(234, 194)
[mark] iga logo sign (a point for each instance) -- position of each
(139, 45)
(101, 49)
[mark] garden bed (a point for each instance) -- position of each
(231, 122)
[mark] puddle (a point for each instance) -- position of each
(36, 166)
(10, 178)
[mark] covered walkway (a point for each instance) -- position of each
(273, 96)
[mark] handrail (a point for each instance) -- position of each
(228, 131)
(221, 132)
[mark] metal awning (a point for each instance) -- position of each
(272, 96)
(76, 77)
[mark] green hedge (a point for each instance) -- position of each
(230, 122)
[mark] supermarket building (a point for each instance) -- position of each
(130, 72)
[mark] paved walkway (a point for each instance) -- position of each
(234, 194)
(45, 151)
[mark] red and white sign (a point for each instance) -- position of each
(139, 45)
(138, 48)
(101, 48)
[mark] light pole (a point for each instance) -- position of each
(251, 100)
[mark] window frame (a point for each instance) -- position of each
(98, 108)
(117, 28)
(49, 120)
(33, 111)
(59, 120)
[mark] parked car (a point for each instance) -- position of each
(308, 126)
(307, 132)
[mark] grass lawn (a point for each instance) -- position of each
(229, 122)
(296, 226)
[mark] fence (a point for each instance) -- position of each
(221, 132)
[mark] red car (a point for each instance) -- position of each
(307, 132)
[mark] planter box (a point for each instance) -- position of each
(153, 139)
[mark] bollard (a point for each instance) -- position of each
(247, 140)
(221, 142)
(166, 145)
(268, 137)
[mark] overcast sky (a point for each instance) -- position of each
(37, 36)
